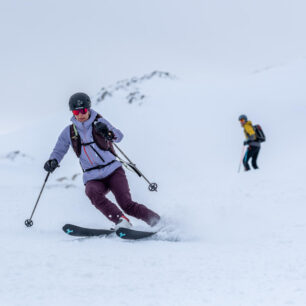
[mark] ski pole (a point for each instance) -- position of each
(29, 222)
(152, 186)
(242, 155)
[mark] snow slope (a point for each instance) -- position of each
(230, 239)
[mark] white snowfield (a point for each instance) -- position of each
(228, 238)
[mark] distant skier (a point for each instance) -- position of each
(90, 136)
(252, 142)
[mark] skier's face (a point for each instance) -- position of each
(82, 117)
(242, 122)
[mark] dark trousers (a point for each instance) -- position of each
(118, 185)
(252, 152)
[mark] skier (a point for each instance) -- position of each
(252, 142)
(90, 136)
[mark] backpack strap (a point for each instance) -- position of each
(75, 140)
(75, 131)
(98, 167)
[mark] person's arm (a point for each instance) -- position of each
(62, 145)
(107, 130)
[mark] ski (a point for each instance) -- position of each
(123, 233)
(126, 233)
(78, 231)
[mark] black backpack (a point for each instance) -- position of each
(260, 135)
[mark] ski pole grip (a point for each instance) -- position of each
(133, 166)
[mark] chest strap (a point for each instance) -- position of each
(87, 143)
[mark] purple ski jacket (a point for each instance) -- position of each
(88, 157)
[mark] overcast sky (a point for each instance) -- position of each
(50, 49)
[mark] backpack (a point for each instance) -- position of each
(260, 135)
(97, 138)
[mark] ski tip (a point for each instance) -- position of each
(126, 233)
(68, 229)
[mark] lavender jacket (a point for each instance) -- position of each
(88, 157)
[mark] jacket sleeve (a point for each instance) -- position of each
(117, 133)
(62, 145)
(250, 133)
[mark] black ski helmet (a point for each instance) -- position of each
(79, 100)
(243, 117)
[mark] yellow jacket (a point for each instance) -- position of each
(249, 131)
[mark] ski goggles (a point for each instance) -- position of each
(82, 111)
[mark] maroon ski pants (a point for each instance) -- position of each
(118, 185)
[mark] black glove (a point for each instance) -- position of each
(246, 142)
(101, 128)
(51, 165)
